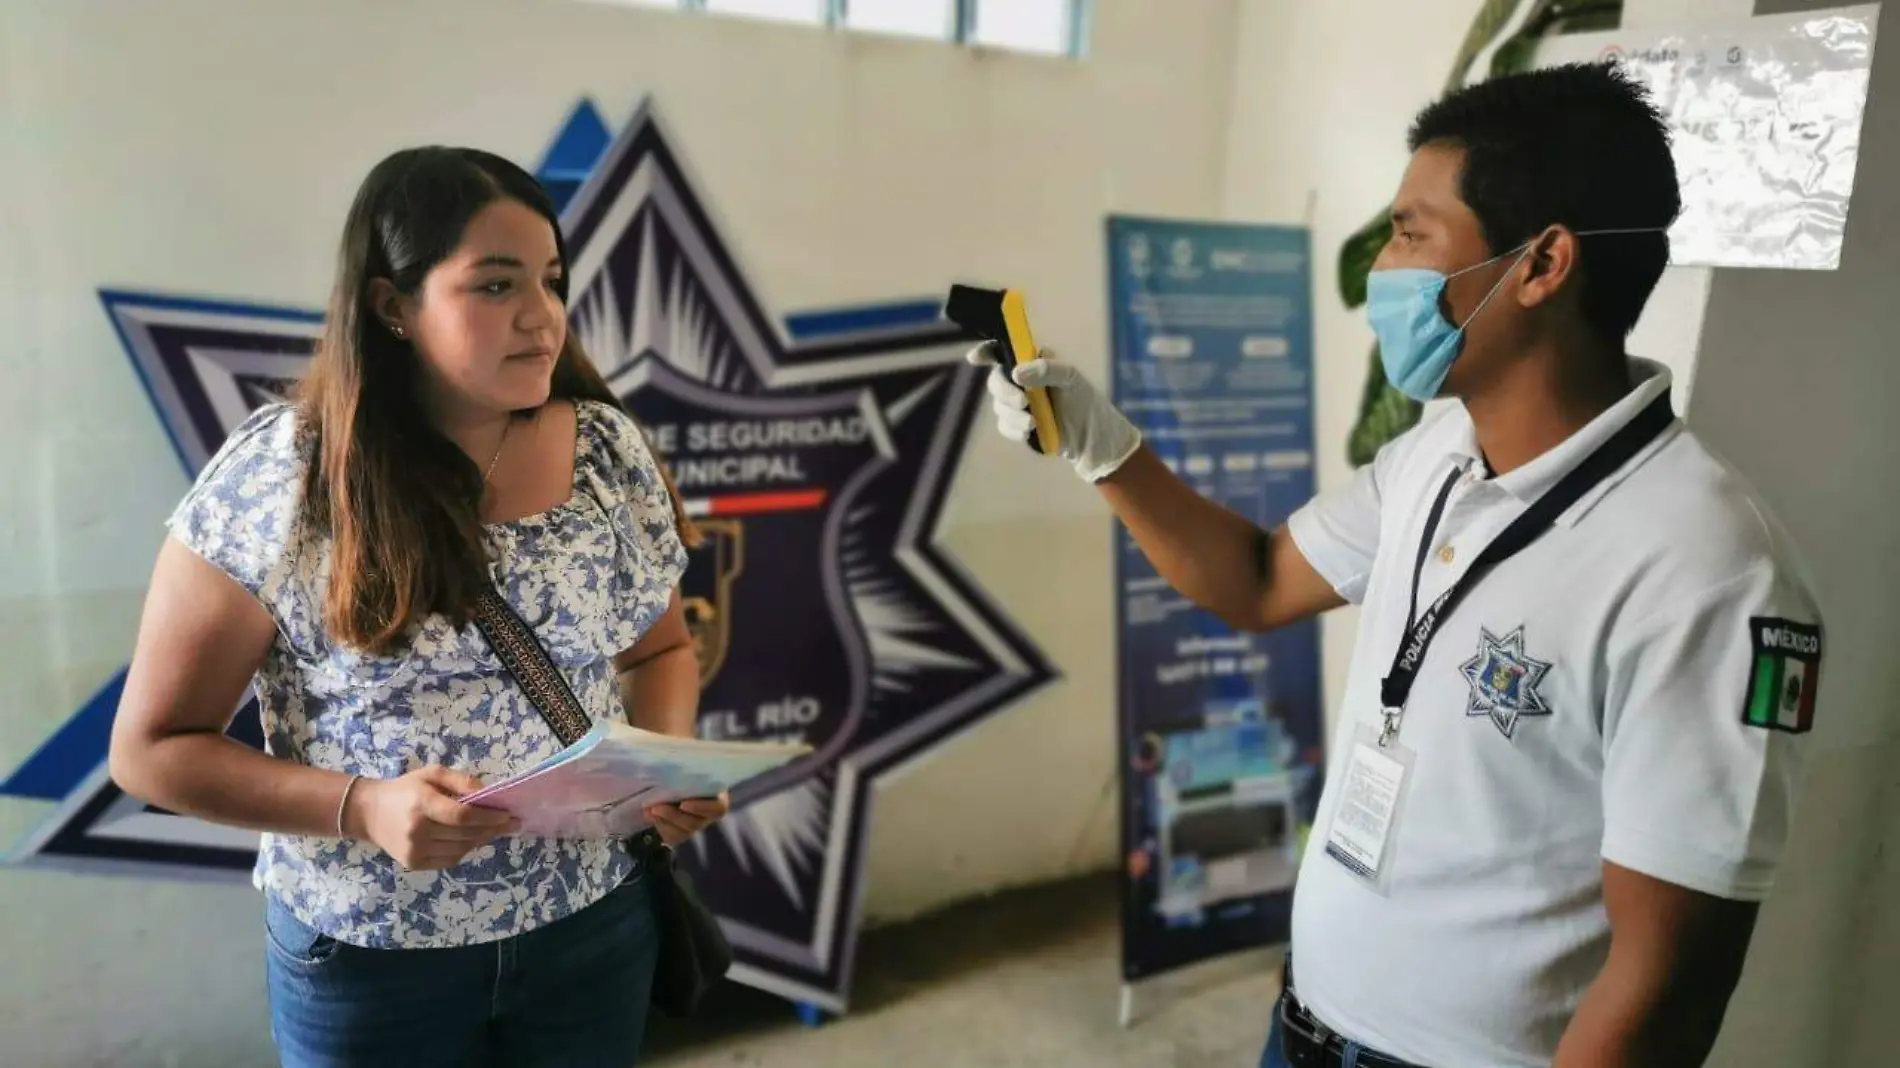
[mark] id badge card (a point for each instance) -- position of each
(1361, 834)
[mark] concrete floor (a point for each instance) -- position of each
(1029, 978)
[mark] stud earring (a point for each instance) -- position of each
(397, 330)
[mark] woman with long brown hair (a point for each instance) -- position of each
(450, 438)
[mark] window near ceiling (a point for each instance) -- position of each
(1026, 25)
(808, 11)
(1046, 27)
(911, 18)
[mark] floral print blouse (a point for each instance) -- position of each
(590, 576)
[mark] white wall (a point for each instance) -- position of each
(210, 148)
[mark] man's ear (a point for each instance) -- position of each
(1548, 266)
(391, 308)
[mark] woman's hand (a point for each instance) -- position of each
(419, 818)
(677, 823)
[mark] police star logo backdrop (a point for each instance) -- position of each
(819, 451)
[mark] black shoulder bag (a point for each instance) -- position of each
(694, 953)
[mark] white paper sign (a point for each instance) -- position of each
(1765, 117)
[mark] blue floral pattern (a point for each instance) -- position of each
(590, 576)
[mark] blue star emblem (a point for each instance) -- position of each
(895, 651)
(1504, 681)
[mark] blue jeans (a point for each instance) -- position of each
(572, 993)
(1271, 1057)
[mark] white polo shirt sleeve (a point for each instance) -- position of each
(1338, 530)
(1705, 720)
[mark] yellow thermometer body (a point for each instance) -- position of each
(1002, 316)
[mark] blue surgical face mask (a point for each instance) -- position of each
(1416, 343)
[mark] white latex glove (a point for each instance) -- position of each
(1096, 438)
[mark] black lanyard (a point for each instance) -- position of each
(1526, 528)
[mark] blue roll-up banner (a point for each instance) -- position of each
(1222, 737)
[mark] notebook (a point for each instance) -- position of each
(601, 786)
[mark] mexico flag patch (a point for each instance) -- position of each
(1784, 674)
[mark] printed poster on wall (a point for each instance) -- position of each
(1764, 119)
(1221, 732)
(817, 452)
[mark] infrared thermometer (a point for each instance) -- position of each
(1000, 315)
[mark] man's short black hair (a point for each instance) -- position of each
(1579, 146)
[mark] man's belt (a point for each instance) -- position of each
(1307, 1042)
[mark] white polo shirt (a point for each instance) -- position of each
(1594, 697)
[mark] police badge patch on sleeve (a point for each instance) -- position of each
(1783, 675)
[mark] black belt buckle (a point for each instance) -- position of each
(1303, 1038)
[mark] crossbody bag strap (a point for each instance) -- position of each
(527, 659)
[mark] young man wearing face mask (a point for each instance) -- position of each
(1564, 767)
